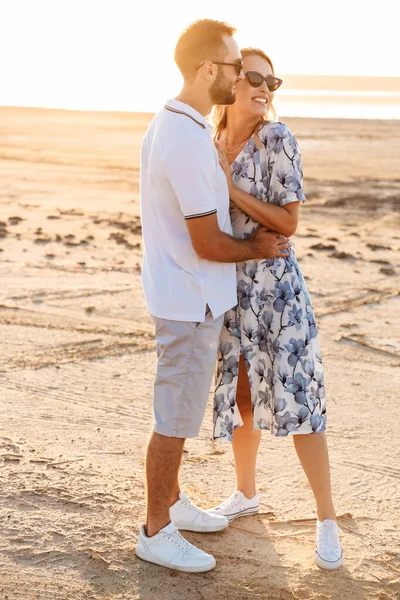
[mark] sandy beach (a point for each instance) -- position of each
(78, 356)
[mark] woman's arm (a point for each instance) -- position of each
(279, 218)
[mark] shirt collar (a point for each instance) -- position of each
(176, 105)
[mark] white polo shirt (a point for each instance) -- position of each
(180, 179)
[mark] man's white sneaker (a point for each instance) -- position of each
(328, 552)
(236, 506)
(189, 517)
(169, 549)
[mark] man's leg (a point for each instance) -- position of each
(163, 460)
(186, 354)
(186, 358)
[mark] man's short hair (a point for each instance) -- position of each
(199, 42)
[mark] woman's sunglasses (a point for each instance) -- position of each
(255, 79)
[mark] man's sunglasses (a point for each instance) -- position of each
(238, 65)
(255, 79)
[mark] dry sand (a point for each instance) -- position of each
(77, 362)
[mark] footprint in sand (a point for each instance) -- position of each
(376, 247)
(341, 255)
(43, 240)
(69, 241)
(387, 271)
(321, 246)
(121, 239)
(15, 220)
(378, 261)
(72, 244)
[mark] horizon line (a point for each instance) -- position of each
(130, 113)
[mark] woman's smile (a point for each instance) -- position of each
(260, 100)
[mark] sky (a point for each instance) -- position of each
(118, 54)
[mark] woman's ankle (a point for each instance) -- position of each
(324, 513)
(248, 491)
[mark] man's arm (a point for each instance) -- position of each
(210, 243)
(192, 176)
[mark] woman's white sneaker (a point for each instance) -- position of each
(237, 505)
(328, 552)
(189, 517)
(169, 549)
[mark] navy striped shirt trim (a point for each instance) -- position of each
(210, 212)
(181, 112)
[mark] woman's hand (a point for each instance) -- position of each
(226, 167)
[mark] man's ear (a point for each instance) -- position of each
(209, 70)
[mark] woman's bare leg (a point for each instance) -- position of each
(312, 451)
(245, 441)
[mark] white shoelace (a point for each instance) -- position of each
(187, 502)
(178, 540)
(232, 502)
(328, 538)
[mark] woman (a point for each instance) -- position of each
(269, 368)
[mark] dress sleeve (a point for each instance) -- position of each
(285, 172)
(191, 169)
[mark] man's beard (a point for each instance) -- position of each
(221, 91)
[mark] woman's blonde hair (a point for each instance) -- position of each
(219, 112)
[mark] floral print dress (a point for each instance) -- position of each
(273, 326)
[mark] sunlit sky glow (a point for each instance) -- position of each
(118, 54)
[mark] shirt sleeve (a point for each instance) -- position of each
(284, 166)
(191, 169)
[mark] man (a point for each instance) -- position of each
(189, 279)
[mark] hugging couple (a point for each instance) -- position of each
(221, 280)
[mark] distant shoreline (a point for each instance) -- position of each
(150, 114)
(334, 83)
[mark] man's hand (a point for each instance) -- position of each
(270, 244)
